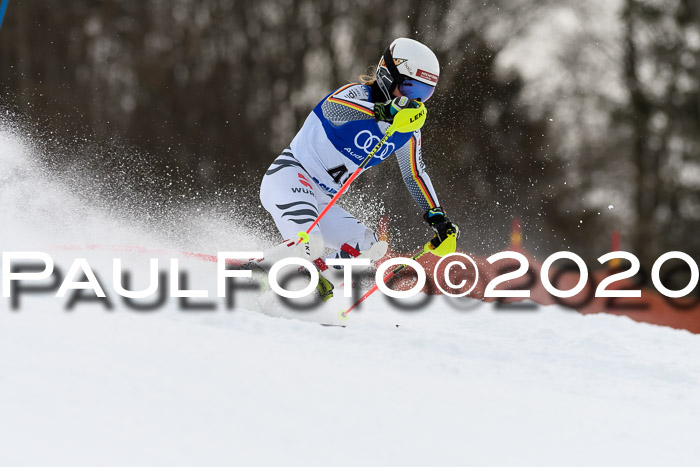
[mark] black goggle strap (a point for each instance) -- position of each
(391, 66)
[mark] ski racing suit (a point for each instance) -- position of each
(335, 139)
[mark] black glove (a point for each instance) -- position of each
(442, 226)
(385, 112)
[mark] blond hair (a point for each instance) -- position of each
(369, 77)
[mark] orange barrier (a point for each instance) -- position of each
(651, 307)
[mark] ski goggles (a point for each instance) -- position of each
(416, 90)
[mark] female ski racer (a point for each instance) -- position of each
(336, 138)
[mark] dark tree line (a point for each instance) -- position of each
(662, 73)
(217, 88)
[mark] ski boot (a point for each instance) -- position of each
(324, 288)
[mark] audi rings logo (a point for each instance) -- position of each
(366, 141)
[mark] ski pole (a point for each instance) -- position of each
(405, 121)
(392, 273)
(447, 246)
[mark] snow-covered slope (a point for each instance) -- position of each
(458, 383)
(448, 388)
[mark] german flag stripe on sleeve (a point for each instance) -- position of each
(416, 176)
(350, 104)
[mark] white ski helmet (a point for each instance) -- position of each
(409, 66)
